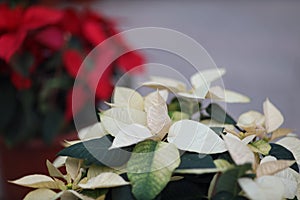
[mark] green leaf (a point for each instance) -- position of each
(75, 43)
(96, 152)
(228, 180)
(227, 196)
(150, 168)
(95, 193)
(260, 146)
(195, 161)
(183, 189)
(52, 124)
(281, 153)
(21, 62)
(176, 116)
(183, 105)
(123, 192)
(174, 106)
(50, 89)
(217, 113)
(217, 130)
(8, 103)
(53, 62)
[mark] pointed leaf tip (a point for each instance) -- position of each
(196, 137)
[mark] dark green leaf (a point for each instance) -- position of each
(217, 113)
(53, 63)
(225, 156)
(281, 153)
(96, 152)
(195, 161)
(74, 43)
(227, 196)
(8, 104)
(228, 180)
(123, 192)
(217, 130)
(52, 124)
(182, 189)
(49, 92)
(22, 63)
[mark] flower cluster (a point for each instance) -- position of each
(41, 51)
(146, 148)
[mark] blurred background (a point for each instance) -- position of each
(258, 42)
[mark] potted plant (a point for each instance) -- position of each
(146, 148)
(41, 50)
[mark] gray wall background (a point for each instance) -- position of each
(258, 42)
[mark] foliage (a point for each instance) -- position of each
(42, 49)
(140, 152)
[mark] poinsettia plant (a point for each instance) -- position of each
(41, 51)
(152, 147)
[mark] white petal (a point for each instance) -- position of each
(274, 118)
(288, 176)
(53, 171)
(281, 132)
(213, 123)
(91, 132)
(250, 120)
(148, 99)
(293, 145)
(114, 119)
(126, 97)
(166, 83)
(272, 167)
(193, 136)
(206, 77)
(245, 140)
(154, 99)
(268, 159)
(37, 181)
(263, 188)
(73, 167)
(46, 194)
(248, 139)
(228, 96)
(239, 151)
(192, 95)
(158, 120)
(71, 195)
(60, 161)
(131, 134)
(104, 180)
(251, 188)
(233, 136)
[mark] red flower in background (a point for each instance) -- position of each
(131, 60)
(20, 82)
(14, 16)
(71, 22)
(19, 23)
(42, 50)
(72, 60)
(51, 37)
